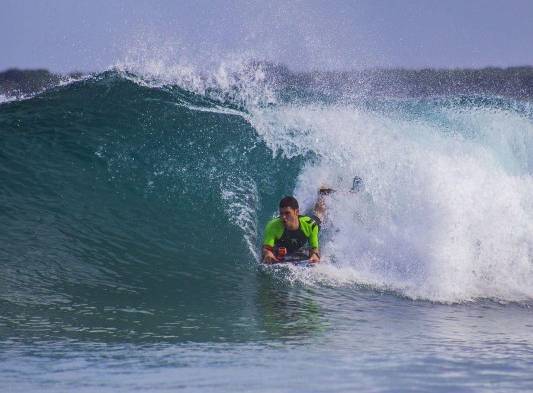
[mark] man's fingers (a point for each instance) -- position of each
(270, 259)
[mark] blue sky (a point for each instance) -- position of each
(65, 35)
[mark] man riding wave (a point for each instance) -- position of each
(290, 233)
(295, 235)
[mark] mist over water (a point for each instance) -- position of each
(133, 205)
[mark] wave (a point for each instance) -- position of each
(137, 182)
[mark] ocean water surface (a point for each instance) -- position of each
(132, 209)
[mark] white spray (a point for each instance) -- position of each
(443, 216)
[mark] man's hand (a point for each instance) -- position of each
(269, 257)
(314, 257)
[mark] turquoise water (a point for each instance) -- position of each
(131, 216)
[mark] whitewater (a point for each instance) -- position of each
(133, 207)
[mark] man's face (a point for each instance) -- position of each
(288, 215)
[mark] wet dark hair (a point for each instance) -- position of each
(289, 201)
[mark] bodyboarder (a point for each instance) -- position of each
(290, 233)
(295, 235)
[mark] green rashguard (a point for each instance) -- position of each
(276, 235)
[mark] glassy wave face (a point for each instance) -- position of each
(133, 207)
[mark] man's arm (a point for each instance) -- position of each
(314, 255)
(269, 239)
(268, 255)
